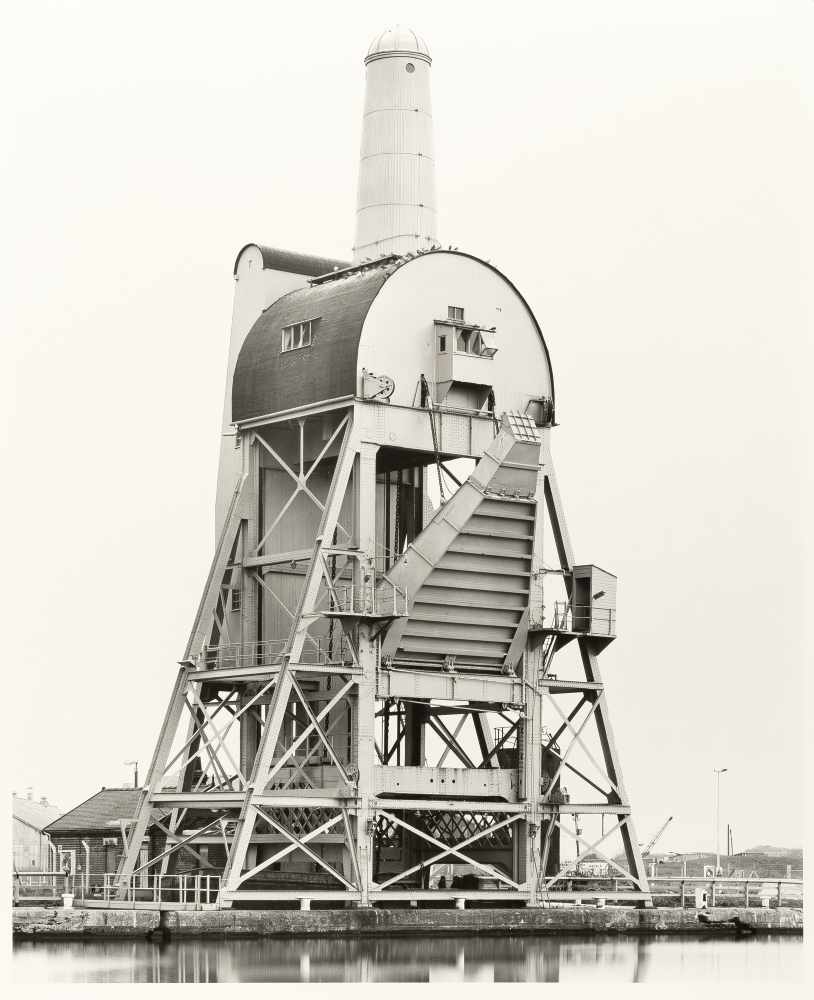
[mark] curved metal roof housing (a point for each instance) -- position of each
(293, 263)
(267, 380)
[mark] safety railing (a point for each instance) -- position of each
(383, 601)
(588, 618)
(190, 890)
(316, 650)
(507, 742)
(39, 885)
(723, 891)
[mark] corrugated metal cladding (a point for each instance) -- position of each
(267, 381)
(294, 263)
(396, 195)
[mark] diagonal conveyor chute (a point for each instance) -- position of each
(467, 575)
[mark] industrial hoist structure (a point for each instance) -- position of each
(391, 690)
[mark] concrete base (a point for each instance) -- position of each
(48, 921)
(78, 923)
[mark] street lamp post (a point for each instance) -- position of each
(133, 764)
(718, 772)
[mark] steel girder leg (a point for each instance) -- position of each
(154, 780)
(592, 673)
(283, 689)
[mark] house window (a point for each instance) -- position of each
(296, 336)
(455, 313)
(235, 600)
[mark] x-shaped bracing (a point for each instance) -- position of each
(594, 849)
(455, 850)
(300, 843)
(300, 479)
(576, 740)
(313, 727)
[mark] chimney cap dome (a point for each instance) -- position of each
(398, 41)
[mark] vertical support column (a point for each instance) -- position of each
(414, 718)
(530, 855)
(251, 596)
(249, 727)
(250, 588)
(531, 734)
(537, 584)
(365, 751)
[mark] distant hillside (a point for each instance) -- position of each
(776, 852)
(768, 861)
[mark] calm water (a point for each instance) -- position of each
(499, 959)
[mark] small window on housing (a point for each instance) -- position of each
(468, 342)
(455, 313)
(235, 600)
(296, 336)
(442, 343)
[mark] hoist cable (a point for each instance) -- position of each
(426, 400)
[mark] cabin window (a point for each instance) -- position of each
(442, 343)
(455, 313)
(297, 335)
(468, 342)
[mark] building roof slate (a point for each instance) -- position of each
(34, 813)
(105, 807)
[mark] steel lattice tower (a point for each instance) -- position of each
(367, 707)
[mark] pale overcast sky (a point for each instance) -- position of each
(642, 171)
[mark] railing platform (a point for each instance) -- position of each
(572, 621)
(367, 602)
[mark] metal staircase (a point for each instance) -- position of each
(467, 575)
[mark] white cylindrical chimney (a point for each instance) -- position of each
(395, 210)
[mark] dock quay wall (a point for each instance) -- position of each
(42, 922)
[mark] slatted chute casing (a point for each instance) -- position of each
(467, 575)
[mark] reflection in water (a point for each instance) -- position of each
(408, 959)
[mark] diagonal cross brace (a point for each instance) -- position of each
(301, 845)
(455, 850)
(289, 848)
(576, 734)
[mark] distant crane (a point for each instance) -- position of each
(646, 850)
